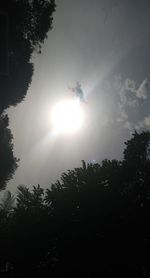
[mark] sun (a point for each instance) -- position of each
(67, 116)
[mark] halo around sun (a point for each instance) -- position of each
(67, 116)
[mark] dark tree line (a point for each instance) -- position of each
(26, 25)
(8, 163)
(93, 222)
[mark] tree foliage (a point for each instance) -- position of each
(94, 221)
(27, 27)
(8, 163)
(27, 24)
(35, 20)
(7, 202)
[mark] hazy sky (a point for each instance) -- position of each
(105, 45)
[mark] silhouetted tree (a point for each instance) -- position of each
(30, 203)
(93, 222)
(32, 233)
(136, 170)
(102, 214)
(26, 26)
(7, 203)
(34, 20)
(8, 163)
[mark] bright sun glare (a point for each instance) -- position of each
(67, 116)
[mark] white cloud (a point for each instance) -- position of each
(145, 123)
(141, 92)
(139, 125)
(128, 125)
(147, 120)
(130, 85)
(129, 96)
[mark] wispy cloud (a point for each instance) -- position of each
(144, 124)
(147, 120)
(128, 125)
(141, 92)
(129, 85)
(131, 110)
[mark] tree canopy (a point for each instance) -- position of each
(25, 24)
(8, 163)
(94, 221)
(28, 23)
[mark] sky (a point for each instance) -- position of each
(105, 46)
